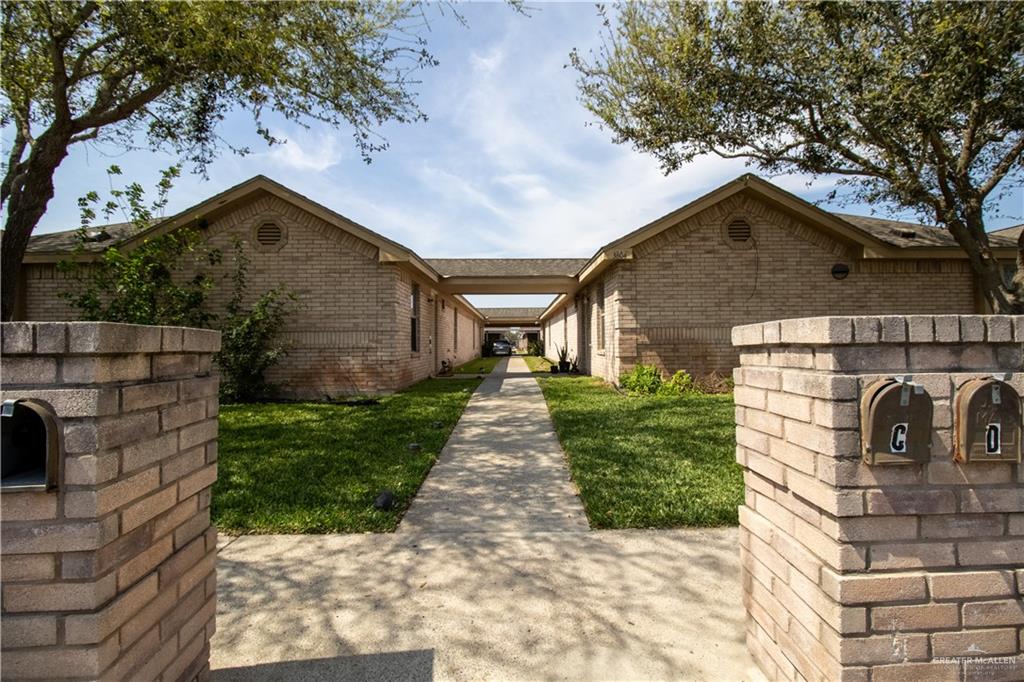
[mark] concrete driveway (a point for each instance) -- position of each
(607, 605)
(492, 575)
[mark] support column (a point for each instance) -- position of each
(108, 567)
(904, 569)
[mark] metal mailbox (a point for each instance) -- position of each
(896, 422)
(987, 422)
(29, 446)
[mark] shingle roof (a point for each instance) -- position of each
(1011, 233)
(511, 313)
(507, 267)
(67, 241)
(910, 235)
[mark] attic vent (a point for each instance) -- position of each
(739, 231)
(268, 234)
(96, 235)
(906, 234)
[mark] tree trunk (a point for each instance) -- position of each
(969, 231)
(25, 207)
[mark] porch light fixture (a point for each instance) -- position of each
(840, 271)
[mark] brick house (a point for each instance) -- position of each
(372, 318)
(376, 316)
(668, 293)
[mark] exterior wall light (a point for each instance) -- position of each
(840, 271)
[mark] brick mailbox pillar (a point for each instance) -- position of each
(905, 568)
(109, 573)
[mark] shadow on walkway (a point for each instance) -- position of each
(410, 666)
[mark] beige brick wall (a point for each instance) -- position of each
(350, 331)
(112, 575)
(858, 572)
(674, 303)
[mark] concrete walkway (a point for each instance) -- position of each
(492, 575)
(502, 469)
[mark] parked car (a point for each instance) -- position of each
(501, 347)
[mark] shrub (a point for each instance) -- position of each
(680, 384)
(642, 380)
(144, 285)
(536, 348)
(248, 346)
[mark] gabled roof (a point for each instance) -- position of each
(54, 246)
(872, 237)
(507, 267)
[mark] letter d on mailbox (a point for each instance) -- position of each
(988, 422)
(896, 423)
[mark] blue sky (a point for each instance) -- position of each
(505, 167)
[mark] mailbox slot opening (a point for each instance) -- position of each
(29, 446)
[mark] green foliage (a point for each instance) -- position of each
(646, 380)
(679, 383)
(249, 337)
(915, 105)
(175, 69)
(535, 348)
(144, 284)
(642, 380)
(647, 462)
(320, 466)
(563, 353)
(477, 366)
(169, 73)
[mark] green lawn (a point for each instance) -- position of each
(538, 364)
(478, 366)
(655, 462)
(317, 468)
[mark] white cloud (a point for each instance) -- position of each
(307, 151)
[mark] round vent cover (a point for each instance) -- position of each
(268, 234)
(739, 231)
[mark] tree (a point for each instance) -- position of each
(78, 71)
(160, 281)
(914, 105)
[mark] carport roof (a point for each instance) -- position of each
(511, 314)
(507, 267)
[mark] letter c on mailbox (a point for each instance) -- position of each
(898, 441)
(896, 423)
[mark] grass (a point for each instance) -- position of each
(317, 468)
(655, 462)
(478, 366)
(538, 364)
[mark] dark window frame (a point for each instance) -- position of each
(414, 318)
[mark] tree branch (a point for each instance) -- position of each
(121, 111)
(1002, 168)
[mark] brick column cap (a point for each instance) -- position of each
(881, 329)
(103, 338)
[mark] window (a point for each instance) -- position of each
(414, 318)
(455, 315)
(600, 316)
